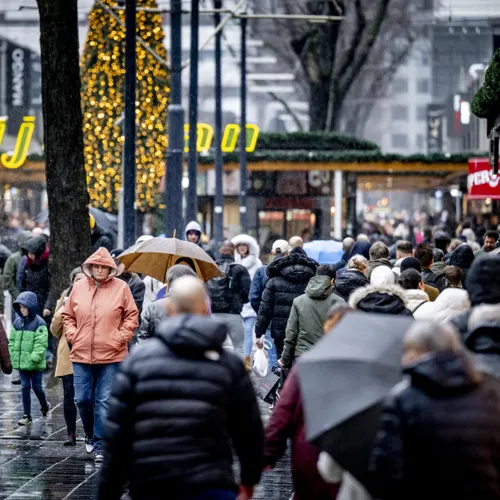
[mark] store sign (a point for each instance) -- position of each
(435, 118)
(481, 182)
(22, 145)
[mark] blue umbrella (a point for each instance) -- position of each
(324, 251)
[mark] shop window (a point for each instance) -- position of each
(421, 113)
(422, 85)
(399, 141)
(400, 85)
(399, 112)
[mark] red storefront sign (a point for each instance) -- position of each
(481, 182)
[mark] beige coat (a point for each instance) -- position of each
(64, 365)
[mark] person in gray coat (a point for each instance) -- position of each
(154, 313)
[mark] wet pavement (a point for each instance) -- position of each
(35, 465)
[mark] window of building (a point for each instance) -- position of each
(421, 113)
(422, 85)
(399, 112)
(420, 142)
(400, 85)
(399, 141)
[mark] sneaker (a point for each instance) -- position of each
(99, 457)
(46, 411)
(26, 420)
(71, 441)
(89, 445)
(17, 381)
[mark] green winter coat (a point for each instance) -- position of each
(307, 317)
(29, 337)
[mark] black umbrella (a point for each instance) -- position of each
(343, 382)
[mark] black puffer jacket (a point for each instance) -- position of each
(439, 437)
(348, 280)
(288, 278)
(101, 239)
(381, 299)
(436, 280)
(176, 403)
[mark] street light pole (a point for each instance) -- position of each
(219, 168)
(129, 171)
(243, 132)
(192, 200)
(175, 151)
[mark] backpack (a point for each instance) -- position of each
(219, 289)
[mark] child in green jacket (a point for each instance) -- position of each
(27, 346)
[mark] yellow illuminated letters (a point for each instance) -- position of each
(3, 126)
(205, 135)
(22, 143)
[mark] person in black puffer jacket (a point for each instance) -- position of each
(439, 430)
(288, 278)
(179, 402)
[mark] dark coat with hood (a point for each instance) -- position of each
(383, 299)
(360, 248)
(137, 287)
(348, 280)
(439, 434)
(257, 287)
(5, 363)
(178, 403)
(34, 275)
(483, 285)
(100, 239)
(288, 278)
(462, 257)
(438, 281)
(307, 317)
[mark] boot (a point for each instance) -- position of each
(248, 363)
(71, 441)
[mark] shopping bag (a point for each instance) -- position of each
(268, 386)
(260, 363)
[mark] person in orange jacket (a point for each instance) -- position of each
(99, 319)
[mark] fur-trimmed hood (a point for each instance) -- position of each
(249, 241)
(296, 267)
(382, 299)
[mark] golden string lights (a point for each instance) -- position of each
(103, 77)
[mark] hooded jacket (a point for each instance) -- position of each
(307, 317)
(449, 304)
(438, 434)
(178, 404)
(64, 366)
(416, 300)
(251, 263)
(438, 281)
(360, 248)
(462, 257)
(194, 226)
(100, 239)
(99, 318)
(5, 363)
(11, 265)
(386, 299)
(29, 336)
(288, 278)
(349, 280)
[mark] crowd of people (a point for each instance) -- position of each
(161, 373)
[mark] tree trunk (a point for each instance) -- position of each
(63, 138)
(318, 105)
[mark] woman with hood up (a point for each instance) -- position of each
(247, 254)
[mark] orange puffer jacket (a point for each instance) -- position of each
(99, 318)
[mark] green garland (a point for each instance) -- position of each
(486, 102)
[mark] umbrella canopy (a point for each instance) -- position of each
(324, 251)
(154, 257)
(344, 380)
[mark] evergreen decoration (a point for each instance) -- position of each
(486, 102)
(103, 78)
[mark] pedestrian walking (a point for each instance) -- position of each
(64, 367)
(379, 256)
(229, 293)
(27, 346)
(439, 429)
(98, 237)
(351, 277)
(381, 299)
(179, 406)
(411, 281)
(247, 254)
(99, 319)
(424, 254)
(5, 363)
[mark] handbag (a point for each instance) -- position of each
(268, 386)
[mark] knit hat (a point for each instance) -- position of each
(410, 263)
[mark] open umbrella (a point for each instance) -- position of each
(154, 257)
(324, 251)
(344, 379)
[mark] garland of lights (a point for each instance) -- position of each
(103, 77)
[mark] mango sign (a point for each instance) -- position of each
(23, 141)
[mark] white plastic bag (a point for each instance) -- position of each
(260, 363)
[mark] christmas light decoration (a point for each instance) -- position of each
(103, 76)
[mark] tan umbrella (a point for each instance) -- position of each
(156, 256)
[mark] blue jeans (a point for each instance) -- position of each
(92, 391)
(33, 380)
(248, 324)
(273, 359)
(215, 495)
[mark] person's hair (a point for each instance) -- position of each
(327, 270)
(347, 244)
(410, 279)
(335, 314)
(423, 253)
(491, 234)
(437, 255)
(227, 248)
(404, 247)
(430, 337)
(188, 261)
(296, 241)
(442, 240)
(427, 233)
(362, 237)
(454, 275)
(357, 262)
(378, 251)
(73, 274)
(178, 271)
